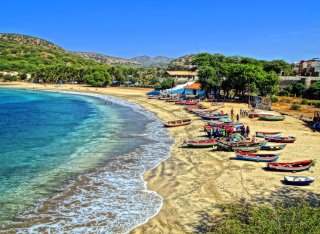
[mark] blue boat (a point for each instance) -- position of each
(257, 157)
(299, 180)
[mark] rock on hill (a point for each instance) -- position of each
(105, 58)
(29, 40)
(156, 61)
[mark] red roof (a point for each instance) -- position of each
(194, 86)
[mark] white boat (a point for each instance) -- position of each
(299, 180)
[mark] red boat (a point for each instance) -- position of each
(188, 103)
(289, 139)
(291, 166)
(204, 143)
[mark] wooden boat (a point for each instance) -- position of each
(272, 147)
(153, 96)
(238, 146)
(290, 166)
(288, 139)
(257, 157)
(268, 134)
(172, 100)
(299, 180)
(165, 98)
(176, 123)
(187, 103)
(213, 116)
(259, 113)
(272, 118)
(195, 107)
(203, 143)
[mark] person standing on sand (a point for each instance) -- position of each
(232, 117)
(248, 131)
(238, 117)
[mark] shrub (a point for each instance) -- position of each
(157, 86)
(295, 106)
(304, 102)
(274, 99)
(284, 93)
(298, 217)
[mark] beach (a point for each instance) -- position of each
(194, 182)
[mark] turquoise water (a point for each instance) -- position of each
(73, 164)
(46, 138)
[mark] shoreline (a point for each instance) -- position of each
(193, 182)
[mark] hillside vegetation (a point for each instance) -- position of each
(101, 58)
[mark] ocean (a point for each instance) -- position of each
(74, 163)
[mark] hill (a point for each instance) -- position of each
(29, 40)
(105, 58)
(182, 63)
(156, 61)
(26, 54)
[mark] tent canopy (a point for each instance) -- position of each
(196, 86)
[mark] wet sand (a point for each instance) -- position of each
(193, 182)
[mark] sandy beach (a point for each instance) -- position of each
(193, 182)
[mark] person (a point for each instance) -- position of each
(232, 111)
(243, 131)
(248, 130)
(240, 112)
(238, 117)
(222, 112)
(232, 117)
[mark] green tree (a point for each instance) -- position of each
(313, 92)
(298, 89)
(208, 78)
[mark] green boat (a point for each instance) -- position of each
(272, 118)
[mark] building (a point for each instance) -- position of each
(190, 75)
(308, 67)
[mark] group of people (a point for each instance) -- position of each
(227, 131)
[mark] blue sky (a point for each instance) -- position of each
(281, 29)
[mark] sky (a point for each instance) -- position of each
(264, 29)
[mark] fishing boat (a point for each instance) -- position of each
(268, 134)
(272, 147)
(238, 146)
(299, 180)
(203, 143)
(288, 139)
(172, 100)
(290, 166)
(176, 123)
(187, 103)
(213, 116)
(257, 157)
(272, 118)
(259, 113)
(153, 96)
(165, 98)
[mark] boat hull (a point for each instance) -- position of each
(257, 157)
(272, 118)
(298, 180)
(177, 123)
(268, 134)
(291, 166)
(273, 147)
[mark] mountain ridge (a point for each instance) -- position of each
(155, 61)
